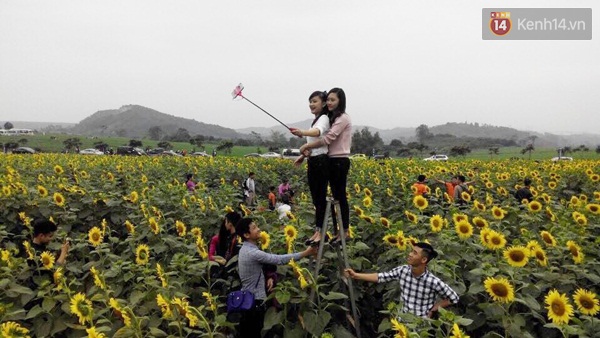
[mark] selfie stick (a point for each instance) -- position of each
(238, 92)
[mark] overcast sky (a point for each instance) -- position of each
(401, 63)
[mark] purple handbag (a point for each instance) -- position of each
(240, 301)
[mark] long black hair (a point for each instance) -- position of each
(323, 96)
(341, 108)
(224, 234)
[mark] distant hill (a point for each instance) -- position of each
(134, 121)
(406, 134)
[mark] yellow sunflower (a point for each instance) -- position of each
(58, 169)
(465, 196)
(517, 256)
(559, 309)
(82, 307)
(154, 226)
(59, 199)
(457, 333)
(498, 212)
(411, 217)
(534, 206)
(548, 238)
(368, 192)
(480, 222)
(550, 214)
(133, 197)
(164, 305)
(495, 240)
(290, 233)
(402, 241)
(593, 208)
(390, 239)
(97, 279)
(499, 289)
(367, 202)
(385, 222)
(457, 218)
(142, 254)
(130, 227)
(420, 202)
(540, 256)
(532, 245)
(575, 252)
(552, 185)
(265, 240)
(358, 210)
(357, 188)
(42, 191)
(464, 229)
(12, 329)
(95, 236)
(579, 218)
(401, 330)
(161, 275)
(587, 302)
(437, 223)
(181, 228)
(47, 260)
(478, 206)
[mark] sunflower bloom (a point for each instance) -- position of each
(210, 300)
(133, 197)
(390, 239)
(28, 250)
(411, 217)
(532, 246)
(517, 256)
(480, 222)
(367, 202)
(42, 191)
(97, 280)
(161, 275)
(540, 256)
(357, 188)
(559, 309)
(385, 222)
(142, 254)
(437, 223)
(59, 199)
(548, 238)
(47, 260)
(457, 218)
(120, 312)
(265, 240)
(95, 236)
(457, 333)
(154, 226)
(201, 247)
(181, 228)
(498, 212)
(534, 206)
(12, 329)
(92, 333)
(499, 289)
(464, 229)
(82, 307)
(130, 227)
(420, 202)
(358, 210)
(587, 302)
(401, 330)
(164, 305)
(593, 208)
(479, 206)
(290, 233)
(58, 169)
(575, 252)
(495, 240)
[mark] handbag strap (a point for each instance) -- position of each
(258, 280)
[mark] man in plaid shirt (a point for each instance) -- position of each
(419, 288)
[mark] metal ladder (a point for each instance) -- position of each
(342, 260)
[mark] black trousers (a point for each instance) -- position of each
(338, 177)
(318, 176)
(251, 322)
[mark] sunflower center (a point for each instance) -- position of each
(586, 303)
(539, 255)
(464, 229)
(496, 240)
(500, 290)
(96, 236)
(574, 251)
(558, 308)
(517, 256)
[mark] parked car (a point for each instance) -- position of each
(562, 158)
(271, 155)
(171, 153)
(129, 150)
(380, 157)
(252, 155)
(23, 150)
(290, 153)
(437, 158)
(200, 153)
(155, 151)
(91, 151)
(358, 157)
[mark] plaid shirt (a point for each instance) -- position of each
(418, 293)
(250, 261)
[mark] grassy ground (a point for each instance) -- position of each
(54, 143)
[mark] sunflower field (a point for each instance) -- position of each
(138, 266)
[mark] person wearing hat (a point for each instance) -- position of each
(419, 288)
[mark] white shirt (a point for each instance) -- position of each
(323, 125)
(250, 186)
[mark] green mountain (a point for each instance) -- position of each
(135, 122)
